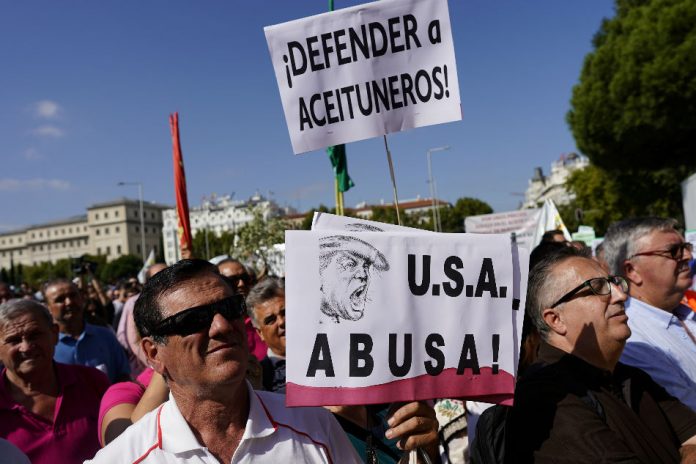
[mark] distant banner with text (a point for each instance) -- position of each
(392, 316)
(365, 71)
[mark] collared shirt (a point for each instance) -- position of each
(273, 370)
(72, 435)
(661, 346)
(273, 434)
(567, 410)
(95, 347)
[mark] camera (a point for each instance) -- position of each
(82, 266)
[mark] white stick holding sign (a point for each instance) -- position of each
(365, 71)
(378, 317)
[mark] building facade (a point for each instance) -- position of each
(552, 187)
(215, 215)
(110, 229)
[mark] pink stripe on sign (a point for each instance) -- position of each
(487, 387)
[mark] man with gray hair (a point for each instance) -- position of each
(653, 256)
(47, 409)
(578, 403)
(266, 307)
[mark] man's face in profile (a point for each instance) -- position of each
(344, 284)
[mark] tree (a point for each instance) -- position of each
(452, 219)
(633, 112)
(121, 267)
(257, 237)
(217, 244)
(387, 214)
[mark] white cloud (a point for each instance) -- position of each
(31, 154)
(16, 185)
(46, 109)
(48, 131)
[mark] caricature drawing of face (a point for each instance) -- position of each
(346, 265)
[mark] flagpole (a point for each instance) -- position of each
(393, 179)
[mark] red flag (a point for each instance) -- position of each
(182, 208)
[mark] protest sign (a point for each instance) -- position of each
(399, 317)
(528, 224)
(365, 71)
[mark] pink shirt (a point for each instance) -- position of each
(123, 393)
(256, 346)
(72, 435)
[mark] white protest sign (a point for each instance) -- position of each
(365, 71)
(523, 223)
(328, 221)
(378, 317)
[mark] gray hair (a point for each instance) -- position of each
(267, 289)
(621, 238)
(19, 306)
(541, 287)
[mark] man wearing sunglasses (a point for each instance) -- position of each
(578, 403)
(191, 321)
(654, 258)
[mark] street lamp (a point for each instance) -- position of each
(142, 216)
(433, 189)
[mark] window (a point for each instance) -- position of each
(71, 243)
(135, 214)
(116, 213)
(40, 247)
(137, 228)
(118, 229)
(118, 249)
(106, 231)
(98, 251)
(10, 241)
(70, 230)
(137, 247)
(106, 216)
(153, 215)
(33, 235)
(97, 231)
(96, 215)
(20, 252)
(146, 230)
(108, 251)
(64, 244)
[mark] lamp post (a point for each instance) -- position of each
(433, 190)
(142, 216)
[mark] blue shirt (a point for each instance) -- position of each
(660, 346)
(95, 347)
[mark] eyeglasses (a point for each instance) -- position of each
(235, 279)
(675, 251)
(598, 285)
(193, 320)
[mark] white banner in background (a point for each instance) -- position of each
(365, 71)
(378, 317)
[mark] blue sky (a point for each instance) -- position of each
(87, 88)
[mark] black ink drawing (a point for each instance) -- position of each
(345, 267)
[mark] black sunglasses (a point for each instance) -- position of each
(598, 285)
(675, 251)
(235, 279)
(193, 320)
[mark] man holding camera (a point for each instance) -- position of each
(80, 342)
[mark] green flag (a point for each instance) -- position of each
(337, 155)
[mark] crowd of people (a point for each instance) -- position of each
(190, 367)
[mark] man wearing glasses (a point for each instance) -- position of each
(578, 403)
(191, 321)
(654, 258)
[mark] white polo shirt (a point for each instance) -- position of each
(273, 434)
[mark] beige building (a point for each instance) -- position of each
(111, 229)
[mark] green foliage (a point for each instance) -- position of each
(122, 267)
(452, 219)
(635, 105)
(605, 197)
(307, 221)
(387, 214)
(217, 244)
(257, 237)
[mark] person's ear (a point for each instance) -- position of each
(554, 321)
(632, 273)
(258, 331)
(154, 356)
